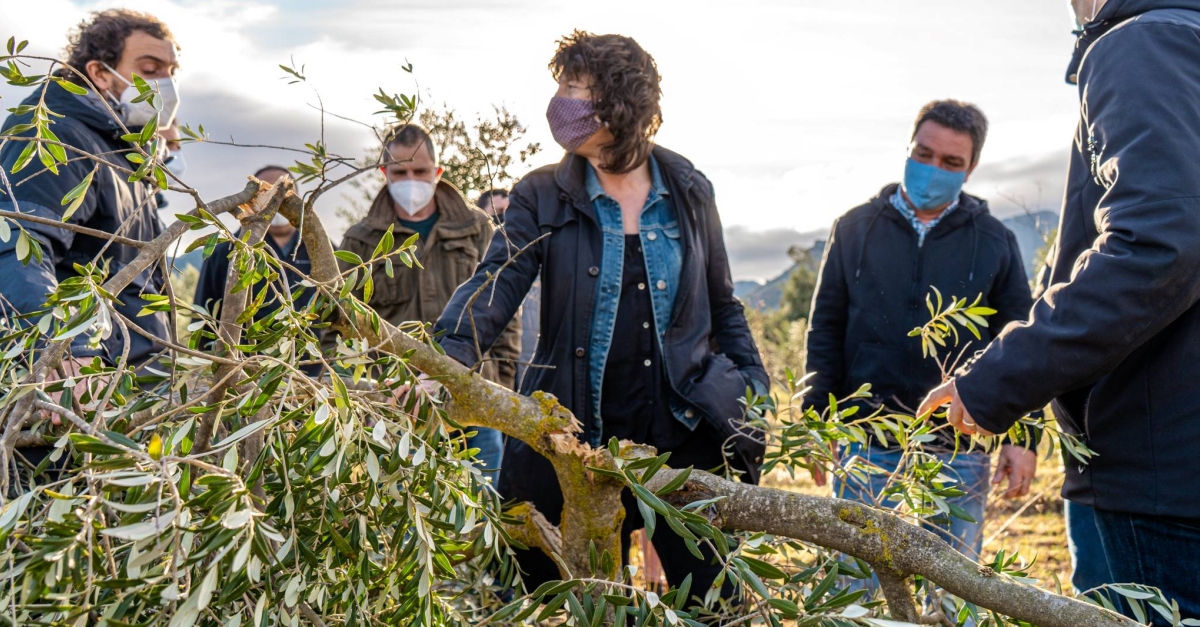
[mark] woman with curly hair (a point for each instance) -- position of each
(641, 336)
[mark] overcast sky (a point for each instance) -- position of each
(797, 110)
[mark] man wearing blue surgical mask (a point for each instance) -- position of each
(882, 260)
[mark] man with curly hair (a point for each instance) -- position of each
(104, 56)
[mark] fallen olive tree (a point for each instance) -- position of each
(221, 485)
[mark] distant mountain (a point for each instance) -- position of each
(742, 288)
(1030, 228)
(767, 296)
(186, 260)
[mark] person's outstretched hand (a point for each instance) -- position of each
(959, 417)
(1019, 464)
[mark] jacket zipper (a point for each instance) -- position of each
(1087, 404)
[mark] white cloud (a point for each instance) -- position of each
(797, 110)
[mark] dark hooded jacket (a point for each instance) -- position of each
(872, 292)
(708, 352)
(111, 203)
(1114, 339)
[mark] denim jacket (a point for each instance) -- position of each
(658, 228)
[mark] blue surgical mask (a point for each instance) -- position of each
(929, 187)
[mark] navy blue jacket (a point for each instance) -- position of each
(111, 203)
(871, 293)
(210, 288)
(1114, 341)
(708, 351)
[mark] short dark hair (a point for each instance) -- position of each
(267, 168)
(410, 136)
(625, 92)
(482, 203)
(957, 115)
(102, 37)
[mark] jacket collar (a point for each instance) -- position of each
(572, 172)
(969, 207)
(1112, 14)
(455, 218)
(87, 109)
(595, 190)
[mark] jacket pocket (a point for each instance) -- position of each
(386, 290)
(881, 366)
(463, 255)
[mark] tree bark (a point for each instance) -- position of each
(592, 508)
(884, 540)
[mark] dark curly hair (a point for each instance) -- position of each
(625, 92)
(102, 37)
(959, 116)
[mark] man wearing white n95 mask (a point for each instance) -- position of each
(453, 240)
(103, 55)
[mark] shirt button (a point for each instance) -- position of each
(594, 271)
(662, 285)
(647, 362)
(689, 414)
(641, 286)
(645, 325)
(579, 352)
(652, 235)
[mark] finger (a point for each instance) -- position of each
(938, 397)
(1003, 469)
(955, 416)
(1026, 482)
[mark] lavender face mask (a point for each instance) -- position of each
(572, 121)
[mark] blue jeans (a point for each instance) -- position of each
(973, 473)
(490, 443)
(971, 470)
(1089, 567)
(1154, 551)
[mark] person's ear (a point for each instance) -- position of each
(101, 78)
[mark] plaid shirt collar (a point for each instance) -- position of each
(910, 214)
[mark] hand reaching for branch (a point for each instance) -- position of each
(427, 385)
(957, 415)
(1019, 464)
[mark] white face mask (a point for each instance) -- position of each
(175, 164)
(412, 195)
(137, 114)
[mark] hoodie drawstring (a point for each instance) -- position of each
(863, 251)
(974, 245)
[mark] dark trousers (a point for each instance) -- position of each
(527, 476)
(1154, 551)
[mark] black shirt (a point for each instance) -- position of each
(634, 398)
